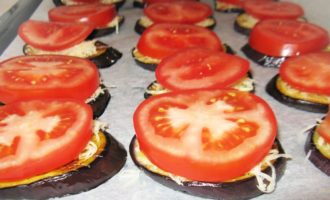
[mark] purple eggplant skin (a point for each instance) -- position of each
(107, 59)
(109, 163)
(240, 29)
(316, 157)
(262, 59)
(100, 103)
(100, 32)
(292, 102)
(238, 190)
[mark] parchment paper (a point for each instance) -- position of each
(127, 81)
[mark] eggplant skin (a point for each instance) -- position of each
(316, 157)
(262, 59)
(108, 58)
(99, 32)
(238, 190)
(292, 102)
(138, 4)
(100, 103)
(117, 4)
(85, 178)
(240, 29)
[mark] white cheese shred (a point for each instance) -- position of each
(267, 183)
(97, 93)
(91, 147)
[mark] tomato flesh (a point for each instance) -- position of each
(273, 10)
(200, 68)
(34, 134)
(52, 36)
(148, 2)
(47, 76)
(275, 37)
(205, 135)
(178, 12)
(309, 72)
(99, 15)
(324, 128)
(160, 40)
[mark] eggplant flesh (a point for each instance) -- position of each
(240, 29)
(272, 90)
(238, 190)
(105, 166)
(262, 59)
(316, 157)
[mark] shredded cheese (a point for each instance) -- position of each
(267, 183)
(96, 94)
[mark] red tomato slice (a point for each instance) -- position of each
(200, 68)
(53, 36)
(87, 1)
(41, 135)
(273, 10)
(161, 1)
(161, 40)
(324, 128)
(308, 73)
(178, 12)
(30, 77)
(99, 15)
(276, 37)
(205, 135)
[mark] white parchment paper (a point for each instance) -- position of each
(127, 81)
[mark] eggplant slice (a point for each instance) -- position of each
(138, 4)
(139, 28)
(100, 103)
(272, 90)
(262, 59)
(240, 29)
(316, 157)
(105, 166)
(238, 190)
(99, 32)
(152, 66)
(106, 56)
(117, 4)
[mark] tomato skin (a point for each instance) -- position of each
(50, 35)
(99, 15)
(178, 12)
(180, 153)
(308, 73)
(31, 77)
(46, 154)
(324, 128)
(240, 2)
(287, 37)
(273, 10)
(160, 40)
(200, 68)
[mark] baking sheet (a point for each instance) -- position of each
(127, 81)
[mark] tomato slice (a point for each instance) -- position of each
(205, 135)
(200, 68)
(324, 128)
(41, 135)
(273, 10)
(309, 72)
(99, 15)
(161, 40)
(276, 37)
(53, 36)
(47, 76)
(178, 12)
(86, 1)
